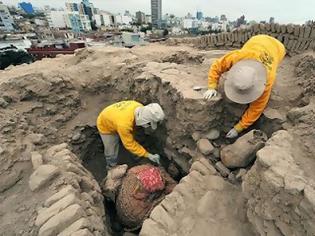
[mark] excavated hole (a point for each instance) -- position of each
(91, 152)
(88, 145)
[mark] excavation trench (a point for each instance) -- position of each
(186, 117)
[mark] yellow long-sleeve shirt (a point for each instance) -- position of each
(262, 48)
(119, 118)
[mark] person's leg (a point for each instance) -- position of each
(111, 148)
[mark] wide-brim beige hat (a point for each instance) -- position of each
(245, 81)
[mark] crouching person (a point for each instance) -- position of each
(117, 122)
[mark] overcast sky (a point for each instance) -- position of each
(285, 11)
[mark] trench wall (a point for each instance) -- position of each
(296, 38)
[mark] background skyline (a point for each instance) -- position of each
(283, 11)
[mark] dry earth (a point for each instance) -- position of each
(51, 156)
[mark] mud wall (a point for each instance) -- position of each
(75, 204)
(296, 38)
(280, 193)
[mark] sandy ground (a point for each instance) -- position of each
(57, 97)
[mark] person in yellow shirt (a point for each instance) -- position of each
(251, 72)
(117, 122)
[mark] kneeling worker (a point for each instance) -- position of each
(117, 122)
(250, 77)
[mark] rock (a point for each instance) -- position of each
(216, 154)
(213, 134)
(82, 232)
(59, 195)
(59, 222)
(196, 136)
(8, 180)
(37, 159)
(57, 148)
(243, 151)
(76, 137)
(151, 228)
(129, 234)
(205, 147)
(42, 175)
(232, 178)
(76, 226)
(241, 173)
(46, 213)
(173, 171)
(274, 114)
(35, 138)
(222, 169)
(3, 103)
(202, 169)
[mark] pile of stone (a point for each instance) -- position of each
(296, 38)
(235, 157)
(75, 206)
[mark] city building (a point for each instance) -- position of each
(156, 12)
(6, 20)
(123, 19)
(148, 19)
(99, 20)
(57, 19)
(189, 16)
(86, 8)
(108, 18)
(199, 15)
(271, 20)
(223, 18)
(85, 22)
(40, 22)
(73, 21)
(140, 18)
(190, 24)
(27, 7)
(72, 6)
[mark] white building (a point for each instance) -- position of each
(57, 19)
(86, 23)
(190, 24)
(6, 20)
(40, 22)
(148, 19)
(99, 20)
(220, 26)
(123, 19)
(107, 17)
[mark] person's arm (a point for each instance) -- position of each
(254, 111)
(130, 143)
(222, 65)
